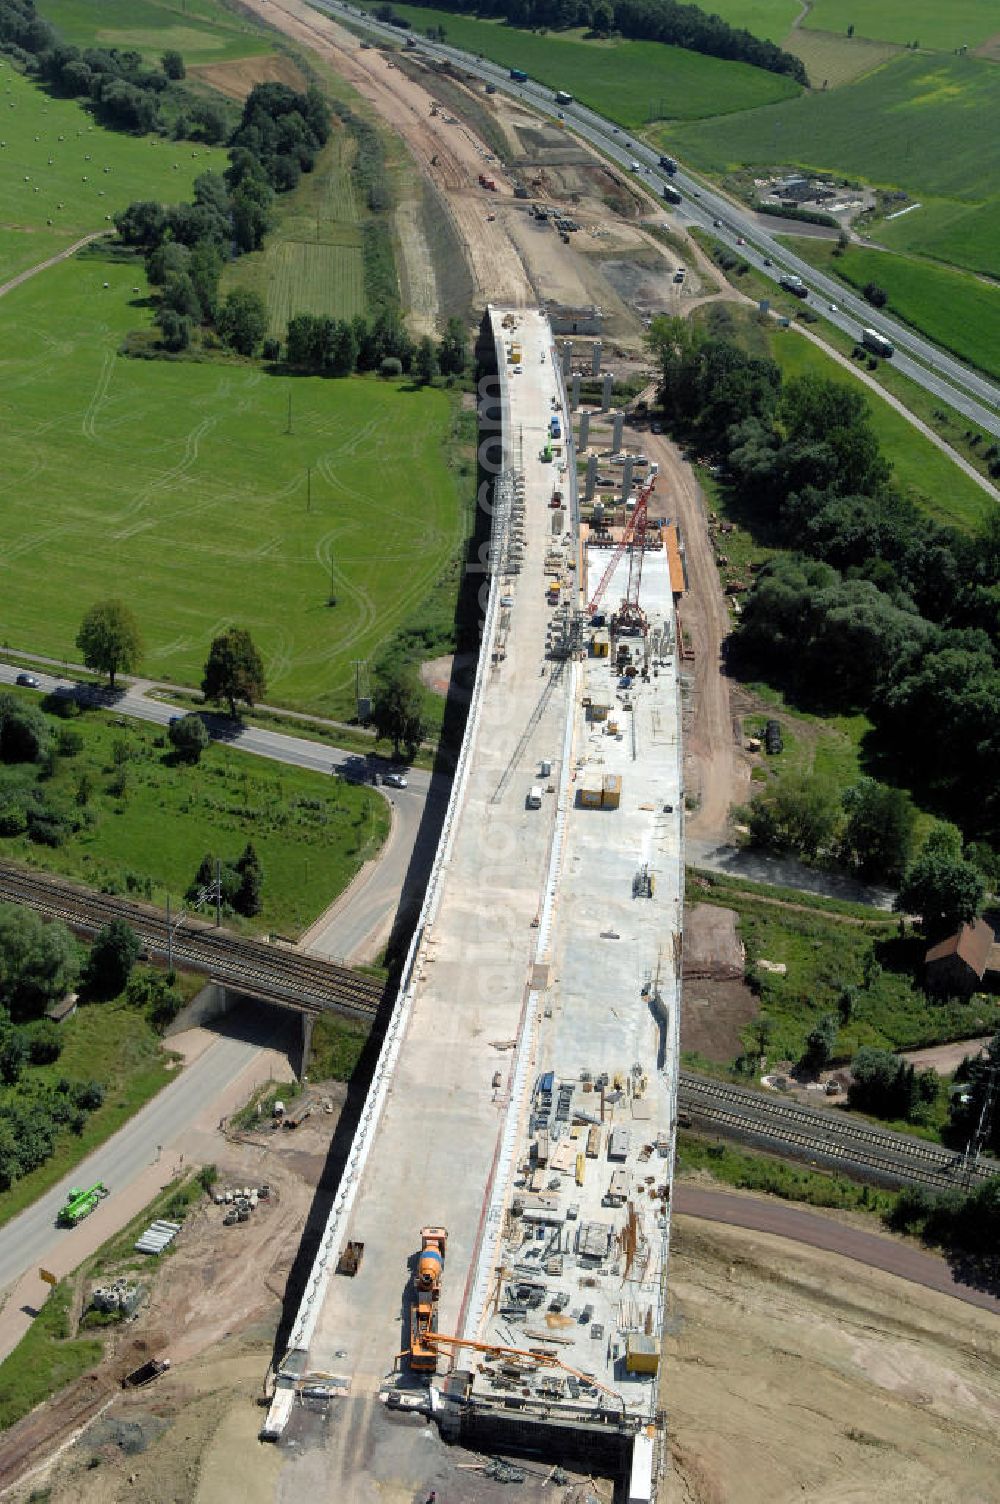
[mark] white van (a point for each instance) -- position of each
(534, 799)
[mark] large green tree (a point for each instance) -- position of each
(397, 713)
(234, 670)
(941, 886)
(39, 962)
(25, 734)
(878, 832)
(109, 639)
(797, 814)
(113, 954)
(242, 320)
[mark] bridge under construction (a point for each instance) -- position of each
(522, 1114)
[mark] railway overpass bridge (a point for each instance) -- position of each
(277, 974)
(525, 1094)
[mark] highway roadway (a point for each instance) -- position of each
(946, 378)
(360, 921)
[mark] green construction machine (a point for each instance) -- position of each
(80, 1204)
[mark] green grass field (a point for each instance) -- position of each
(57, 164)
(920, 470)
(313, 260)
(959, 23)
(925, 125)
(765, 18)
(312, 832)
(202, 30)
(959, 312)
(177, 486)
(623, 80)
(965, 234)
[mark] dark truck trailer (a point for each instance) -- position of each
(794, 285)
(668, 164)
(670, 194)
(518, 75)
(877, 343)
(562, 97)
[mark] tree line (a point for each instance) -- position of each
(117, 85)
(871, 605)
(186, 245)
(684, 26)
(40, 962)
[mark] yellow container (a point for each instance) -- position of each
(642, 1353)
(581, 1170)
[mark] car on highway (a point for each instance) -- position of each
(768, 261)
(28, 681)
(834, 308)
(395, 780)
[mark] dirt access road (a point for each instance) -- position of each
(449, 156)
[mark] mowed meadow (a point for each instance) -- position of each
(177, 486)
(624, 80)
(63, 176)
(203, 30)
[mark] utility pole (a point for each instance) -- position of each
(982, 1127)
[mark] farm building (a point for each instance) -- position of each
(957, 964)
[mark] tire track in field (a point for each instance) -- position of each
(99, 396)
(166, 478)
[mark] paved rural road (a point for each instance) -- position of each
(362, 917)
(784, 1221)
(28, 1239)
(948, 379)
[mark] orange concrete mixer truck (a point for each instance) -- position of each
(424, 1298)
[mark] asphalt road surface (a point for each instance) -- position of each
(973, 395)
(26, 1241)
(784, 1221)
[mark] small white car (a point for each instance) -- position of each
(834, 308)
(395, 780)
(506, 600)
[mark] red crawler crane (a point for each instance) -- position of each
(631, 613)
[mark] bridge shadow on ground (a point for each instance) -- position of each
(468, 625)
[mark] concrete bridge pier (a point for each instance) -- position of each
(308, 1020)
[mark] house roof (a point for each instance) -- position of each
(971, 944)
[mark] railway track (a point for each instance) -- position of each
(833, 1138)
(307, 983)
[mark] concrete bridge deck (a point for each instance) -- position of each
(515, 907)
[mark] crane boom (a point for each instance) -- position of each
(633, 532)
(547, 1360)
